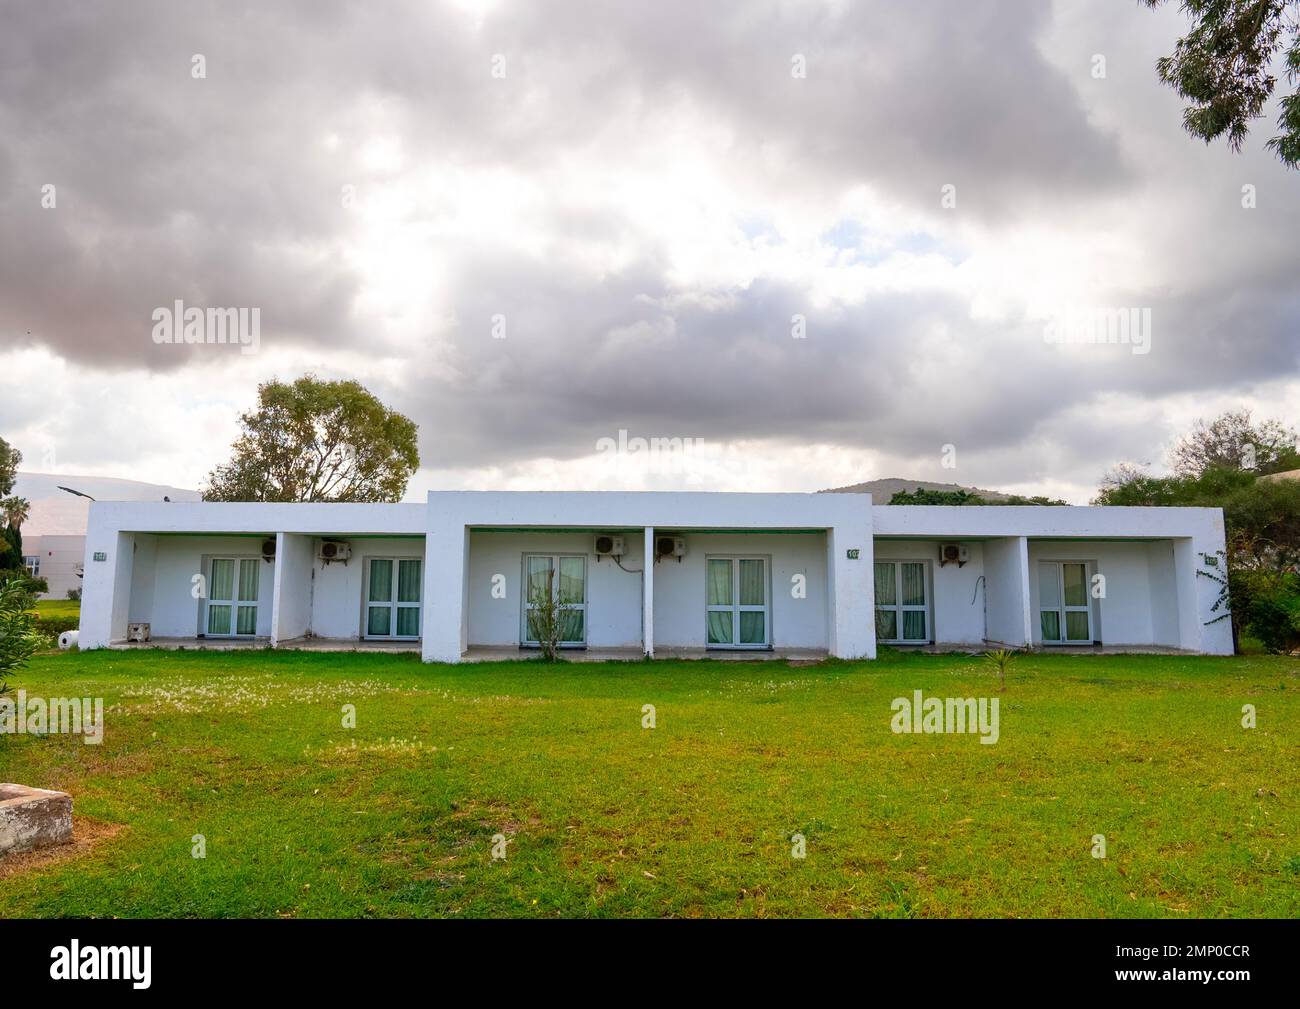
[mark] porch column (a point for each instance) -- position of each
(851, 592)
(648, 593)
(1198, 630)
(446, 589)
(291, 599)
(1008, 607)
(106, 585)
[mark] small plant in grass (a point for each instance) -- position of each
(18, 635)
(999, 660)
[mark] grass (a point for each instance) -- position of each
(303, 817)
(60, 608)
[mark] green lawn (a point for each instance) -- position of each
(303, 817)
(58, 607)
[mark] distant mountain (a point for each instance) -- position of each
(58, 513)
(882, 491)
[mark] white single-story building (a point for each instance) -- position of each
(654, 573)
(57, 559)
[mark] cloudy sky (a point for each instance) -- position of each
(530, 226)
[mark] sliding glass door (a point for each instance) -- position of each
(231, 608)
(565, 577)
(902, 602)
(393, 597)
(1064, 609)
(736, 603)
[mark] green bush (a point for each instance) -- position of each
(56, 625)
(1272, 611)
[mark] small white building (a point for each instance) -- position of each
(655, 573)
(57, 559)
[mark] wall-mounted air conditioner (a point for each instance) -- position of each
(334, 550)
(670, 546)
(953, 553)
(610, 546)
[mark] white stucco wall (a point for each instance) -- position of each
(1150, 556)
(454, 581)
(679, 588)
(1007, 591)
(294, 586)
(1138, 609)
(338, 589)
(613, 595)
(957, 595)
(163, 581)
(60, 557)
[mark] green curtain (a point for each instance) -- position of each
(720, 627)
(381, 582)
(571, 625)
(913, 585)
(408, 582)
(538, 569)
(913, 625)
(408, 621)
(1076, 626)
(218, 619)
(1076, 584)
(886, 625)
(886, 590)
(1051, 624)
(222, 583)
(571, 588)
(719, 586)
(248, 581)
(751, 627)
(752, 590)
(246, 619)
(377, 623)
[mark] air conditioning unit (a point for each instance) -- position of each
(610, 546)
(137, 632)
(953, 553)
(334, 550)
(268, 549)
(670, 546)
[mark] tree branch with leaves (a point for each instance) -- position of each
(314, 440)
(1224, 67)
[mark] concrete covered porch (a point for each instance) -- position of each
(1085, 581)
(726, 576)
(232, 576)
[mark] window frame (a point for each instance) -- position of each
(393, 604)
(1062, 608)
(524, 605)
(234, 601)
(736, 608)
(899, 608)
(32, 563)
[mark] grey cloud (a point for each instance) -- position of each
(221, 192)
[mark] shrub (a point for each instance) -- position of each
(56, 625)
(1272, 611)
(18, 637)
